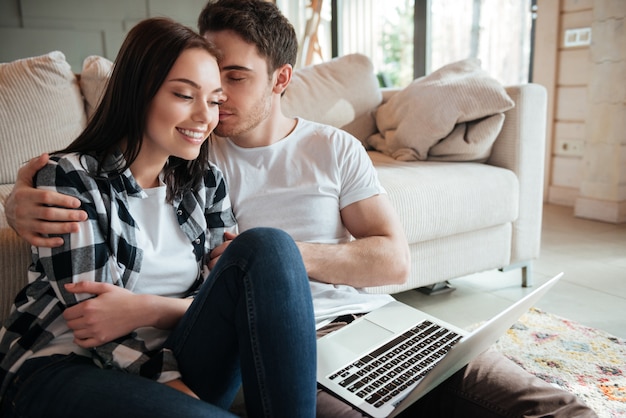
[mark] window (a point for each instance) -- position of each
(497, 32)
(409, 38)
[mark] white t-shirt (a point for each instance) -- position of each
(299, 184)
(169, 266)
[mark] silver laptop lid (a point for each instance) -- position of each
(474, 344)
(379, 326)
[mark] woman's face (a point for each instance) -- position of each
(184, 110)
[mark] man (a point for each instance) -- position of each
(317, 183)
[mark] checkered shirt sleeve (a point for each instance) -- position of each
(108, 236)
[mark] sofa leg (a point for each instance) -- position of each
(437, 288)
(527, 272)
(527, 275)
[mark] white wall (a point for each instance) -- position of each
(80, 28)
(586, 153)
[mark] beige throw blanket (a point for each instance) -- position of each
(452, 114)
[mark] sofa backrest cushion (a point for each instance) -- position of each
(93, 80)
(41, 110)
(343, 92)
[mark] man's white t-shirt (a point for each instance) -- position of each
(299, 184)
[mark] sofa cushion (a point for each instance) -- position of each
(452, 114)
(438, 199)
(32, 93)
(93, 79)
(343, 92)
(5, 190)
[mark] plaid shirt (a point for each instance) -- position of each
(104, 251)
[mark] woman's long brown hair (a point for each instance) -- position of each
(147, 55)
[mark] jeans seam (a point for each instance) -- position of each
(254, 341)
(248, 288)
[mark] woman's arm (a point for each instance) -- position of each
(91, 258)
(115, 312)
(217, 208)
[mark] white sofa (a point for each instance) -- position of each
(459, 217)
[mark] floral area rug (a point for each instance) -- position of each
(586, 361)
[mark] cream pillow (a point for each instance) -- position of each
(93, 78)
(343, 92)
(41, 109)
(452, 114)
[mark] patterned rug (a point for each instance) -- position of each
(586, 361)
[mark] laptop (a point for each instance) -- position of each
(384, 361)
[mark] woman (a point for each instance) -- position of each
(120, 320)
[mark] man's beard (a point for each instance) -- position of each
(255, 115)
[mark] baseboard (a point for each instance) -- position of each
(600, 210)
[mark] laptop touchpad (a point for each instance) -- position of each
(360, 335)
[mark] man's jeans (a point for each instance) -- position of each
(252, 320)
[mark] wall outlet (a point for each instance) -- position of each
(570, 147)
(577, 37)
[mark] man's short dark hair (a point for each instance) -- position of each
(258, 22)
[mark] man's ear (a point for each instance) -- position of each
(283, 77)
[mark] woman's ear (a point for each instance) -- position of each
(283, 77)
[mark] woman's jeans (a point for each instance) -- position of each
(252, 321)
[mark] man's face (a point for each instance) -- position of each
(246, 84)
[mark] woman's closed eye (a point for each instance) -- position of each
(183, 96)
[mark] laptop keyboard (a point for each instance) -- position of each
(388, 370)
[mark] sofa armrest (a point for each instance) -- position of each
(520, 147)
(14, 258)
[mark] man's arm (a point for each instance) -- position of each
(35, 213)
(378, 256)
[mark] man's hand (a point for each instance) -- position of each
(34, 213)
(219, 250)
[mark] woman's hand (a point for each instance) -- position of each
(115, 312)
(103, 318)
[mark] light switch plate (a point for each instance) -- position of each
(577, 37)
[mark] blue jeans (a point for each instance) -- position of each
(251, 322)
